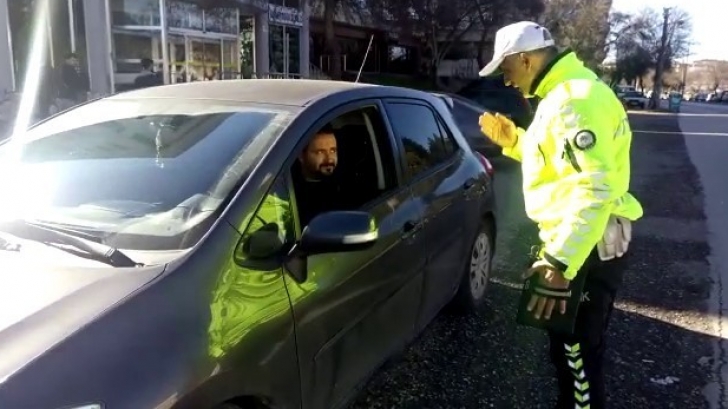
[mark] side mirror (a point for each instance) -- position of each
(338, 231)
(259, 249)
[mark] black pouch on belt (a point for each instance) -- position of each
(560, 323)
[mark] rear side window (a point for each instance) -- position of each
(463, 114)
(495, 96)
(426, 142)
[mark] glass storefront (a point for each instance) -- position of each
(143, 13)
(285, 40)
(284, 50)
(201, 59)
(202, 44)
(197, 41)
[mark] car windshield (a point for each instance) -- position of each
(143, 175)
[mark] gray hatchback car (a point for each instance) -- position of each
(153, 254)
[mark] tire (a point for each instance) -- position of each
(476, 271)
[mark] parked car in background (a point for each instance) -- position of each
(634, 99)
(620, 90)
(466, 113)
(718, 97)
(162, 260)
(492, 94)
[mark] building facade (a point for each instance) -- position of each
(188, 40)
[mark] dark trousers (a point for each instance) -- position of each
(579, 357)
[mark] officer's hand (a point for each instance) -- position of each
(549, 277)
(498, 128)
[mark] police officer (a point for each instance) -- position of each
(575, 159)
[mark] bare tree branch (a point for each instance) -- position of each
(583, 25)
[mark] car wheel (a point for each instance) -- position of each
(477, 270)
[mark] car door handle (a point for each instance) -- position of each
(469, 184)
(411, 227)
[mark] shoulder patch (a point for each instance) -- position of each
(584, 140)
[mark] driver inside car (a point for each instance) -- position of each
(318, 188)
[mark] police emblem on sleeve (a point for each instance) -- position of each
(585, 140)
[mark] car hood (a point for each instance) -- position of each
(49, 296)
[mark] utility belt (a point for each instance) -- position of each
(614, 243)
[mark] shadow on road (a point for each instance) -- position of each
(487, 361)
(658, 331)
(670, 268)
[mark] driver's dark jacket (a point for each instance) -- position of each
(316, 197)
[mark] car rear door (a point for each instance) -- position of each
(355, 309)
(440, 180)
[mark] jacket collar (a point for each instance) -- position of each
(564, 66)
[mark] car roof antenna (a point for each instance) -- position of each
(364, 61)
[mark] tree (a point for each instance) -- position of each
(331, 44)
(718, 73)
(633, 64)
(674, 43)
(626, 29)
(439, 23)
(647, 42)
(331, 9)
(631, 40)
(493, 14)
(583, 25)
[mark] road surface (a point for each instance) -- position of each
(667, 347)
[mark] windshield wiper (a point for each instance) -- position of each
(55, 235)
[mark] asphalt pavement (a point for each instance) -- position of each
(667, 339)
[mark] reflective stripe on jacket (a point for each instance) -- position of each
(575, 162)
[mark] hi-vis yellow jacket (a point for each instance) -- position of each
(575, 161)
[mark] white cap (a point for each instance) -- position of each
(515, 38)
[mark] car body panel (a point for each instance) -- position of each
(363, 301)
(441, 194)
(36, 351)
(43, 305)
(363, 308)
(201, 329)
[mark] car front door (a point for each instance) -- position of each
(440, 181)
(355, 309)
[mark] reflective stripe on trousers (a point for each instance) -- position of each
(581, 383)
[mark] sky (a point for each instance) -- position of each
(708, 17)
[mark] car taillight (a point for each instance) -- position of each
(486, 163)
